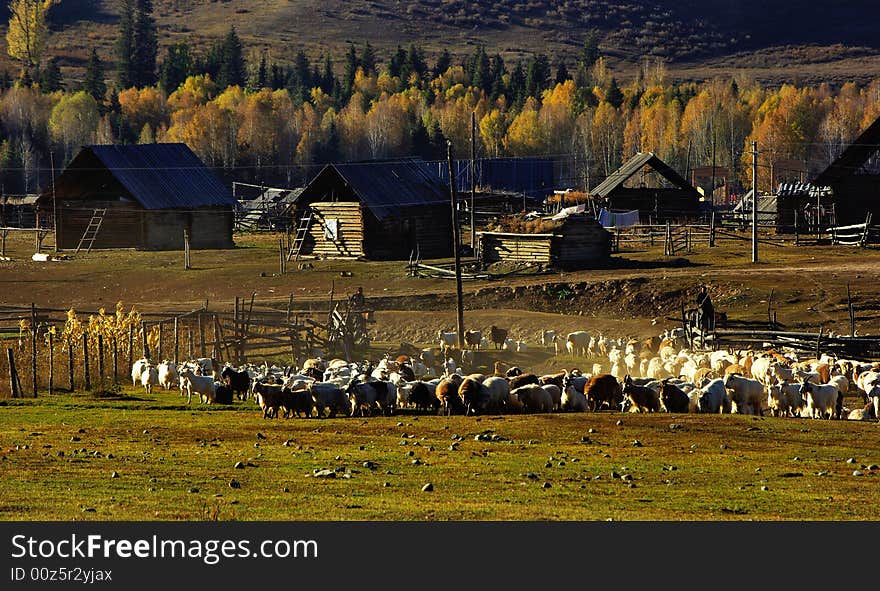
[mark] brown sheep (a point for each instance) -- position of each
(642, 398)
(497, 336)
(602, 390)
(447, 394)
(522, 380)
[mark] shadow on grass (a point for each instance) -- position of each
(672, 263)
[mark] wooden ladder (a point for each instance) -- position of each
(91, 232)
(299, 239)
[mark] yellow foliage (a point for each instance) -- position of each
(27, 32)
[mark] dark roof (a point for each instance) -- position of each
(384, 187)
(158, 176)
(622, 174)
(853, 157)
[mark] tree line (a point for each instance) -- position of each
(274, 123)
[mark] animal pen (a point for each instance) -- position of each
(49, 350)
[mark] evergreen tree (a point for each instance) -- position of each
(537, 75)
(517, 87)
(443, 63)
(415, 61)
(262, 79)
(368, 59)
(328, 149)
(277, 77)
(497, 71)
(562, 74)
(437, 141)
(125, 44)
(50, 77)
(613, 95)
(590, 50)
(232, 71)
(420, 141)
(351, 66)
(93, 83)
(397, 63)
(176, 66)
(480, 74)
(328, 80)
(145, 45)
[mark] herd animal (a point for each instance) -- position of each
(648, 376)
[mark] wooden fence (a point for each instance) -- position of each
(35, 358)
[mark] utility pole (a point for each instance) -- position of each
(455, 245)
(754, 202)
(473, 179)
(54, 208)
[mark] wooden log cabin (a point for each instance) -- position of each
(150, 194)
(577, 242)
(663, 196)
(375, 211)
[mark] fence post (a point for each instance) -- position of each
(51, 363)
(130, 345)
(670, 246)
(712, 229)
(13, 378)
(159, 346)
(176, 339)
(86, 378)
(864, 241)
(202, 351)
(101, 358)
(187, 263)
(34, 348)
(189, 336)
(70, 366)
(115, 361)
(145, 347)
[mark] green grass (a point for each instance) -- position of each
(707, 468)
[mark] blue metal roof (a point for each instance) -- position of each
(163, 176)
(384, 187)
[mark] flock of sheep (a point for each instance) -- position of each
(658, 374)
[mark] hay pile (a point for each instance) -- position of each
(568, 199)
(518, 224)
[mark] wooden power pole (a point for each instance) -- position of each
(754, 202)
(473, 180)
(456, 240)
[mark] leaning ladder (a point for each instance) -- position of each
(299, 239)
(91, 232)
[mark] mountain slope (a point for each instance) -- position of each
(689, 34)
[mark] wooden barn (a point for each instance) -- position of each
(665, 195)
(576, 242)
(854, 180)
(139, 196)
(382, 210)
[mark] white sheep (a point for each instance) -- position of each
(137, 369)
(821, 400)
(149, 378)
(746, 393)
(168, 376)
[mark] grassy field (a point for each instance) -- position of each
(59, 457)
(173, 462)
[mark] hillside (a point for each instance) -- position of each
(697, 38)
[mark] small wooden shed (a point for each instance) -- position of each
(144, 196)
(672, 197)
(577, 242)
(385, 210)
